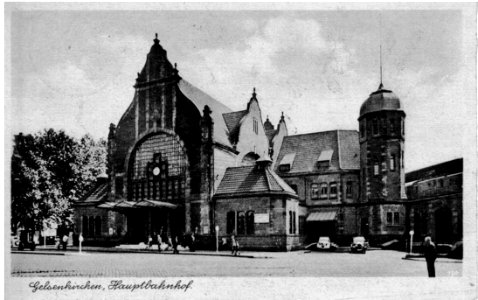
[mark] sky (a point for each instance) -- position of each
(75, 69)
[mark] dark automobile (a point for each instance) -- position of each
(26, 240)
(359, 245)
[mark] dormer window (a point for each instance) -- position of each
(324, 158)
(286, 162)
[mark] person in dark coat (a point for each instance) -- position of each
(160, 241)
(175, 244)
(430, 252)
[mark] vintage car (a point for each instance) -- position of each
(359, 245)
(324, 243)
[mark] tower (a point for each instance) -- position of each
(382, 177)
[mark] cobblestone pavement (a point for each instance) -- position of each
(374, 263)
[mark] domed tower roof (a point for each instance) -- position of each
(379, 100)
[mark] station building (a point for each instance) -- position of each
(180, 161)
(435, 202)
(166, 157)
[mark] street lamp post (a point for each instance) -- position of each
(80, 239)
(217, 238)
(411, 241)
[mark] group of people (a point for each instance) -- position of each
(61, 242)
(166, 242)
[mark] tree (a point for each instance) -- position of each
(49, 171)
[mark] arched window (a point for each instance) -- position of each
(98, 225)
(231, 222)
(241, 223)
(84, 225)
(290, 221)
(91, 226)
(294, 227)
(250, 222)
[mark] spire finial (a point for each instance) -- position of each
(156, 41)
(254, 92)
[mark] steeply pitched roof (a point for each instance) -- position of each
(200, 99)
(95, 195)
(250, 180)
(446, 168)
(343, 144)
(233, 120)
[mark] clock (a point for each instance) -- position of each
(156, 171)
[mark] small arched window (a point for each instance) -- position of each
(294, 222)
(250, 222)
(84, 225)
(241, 223)
(91, 226)
(290, 222)
(231, 222)
(98, 225)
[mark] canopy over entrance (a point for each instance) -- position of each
(132, 205)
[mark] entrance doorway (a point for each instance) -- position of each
(143, 223)
(443, 225)
(316, 229)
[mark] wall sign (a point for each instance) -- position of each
(261, 218)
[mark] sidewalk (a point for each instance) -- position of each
(50, 250)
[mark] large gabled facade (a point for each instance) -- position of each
(166, 157)
(180, 161)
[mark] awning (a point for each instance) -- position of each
(131, 205)
(318, 216)
(154, 203)
(125, 204)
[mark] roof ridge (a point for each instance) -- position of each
(321, 132)
(269, 187)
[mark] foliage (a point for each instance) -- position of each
(50, 170)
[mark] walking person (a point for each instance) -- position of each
(64, 241)
(160, 241)
(430, 252)
(234, 245)
(175, 244)
(150, 242)
(192, 246)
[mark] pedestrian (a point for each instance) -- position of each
(175, 244)
(160, 241)
(192, 246)
(58, 243)
(234, 245)
(65, 241)
(430, 252)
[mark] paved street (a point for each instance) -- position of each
(374, 263)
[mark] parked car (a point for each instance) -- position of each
(359, 245)
(324, 243)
